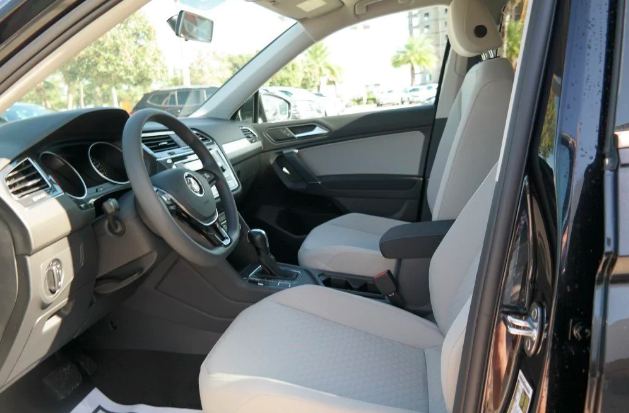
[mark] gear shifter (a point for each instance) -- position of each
(261, 243)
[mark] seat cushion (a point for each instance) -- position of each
(316, 349)
(348, 244)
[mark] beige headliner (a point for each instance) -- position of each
(326, 20)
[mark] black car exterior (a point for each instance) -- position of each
(573, 192)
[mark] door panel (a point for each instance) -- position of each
(377, 173)
(369, 163)
(393, 154)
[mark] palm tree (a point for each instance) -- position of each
(418, 53)
(515, 28)
(317, 61)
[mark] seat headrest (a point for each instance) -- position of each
(471, 28)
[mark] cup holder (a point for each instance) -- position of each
(351, 284)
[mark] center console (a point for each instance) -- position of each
(265, 272)
(411, 245)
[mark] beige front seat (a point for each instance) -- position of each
(314, 349)
(469, 147)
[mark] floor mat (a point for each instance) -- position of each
(148, 377)
(97, 402)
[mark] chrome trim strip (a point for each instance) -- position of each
(150, 134)
(235, 146)
(73, 169)
(89, 156)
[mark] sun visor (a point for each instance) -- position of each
(300, 9)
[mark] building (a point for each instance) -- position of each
(433, 23)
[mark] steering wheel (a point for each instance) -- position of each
(181, 193)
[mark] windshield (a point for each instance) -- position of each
(141, 63)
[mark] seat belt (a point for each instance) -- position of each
(386, 284)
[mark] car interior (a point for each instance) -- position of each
(222, 265)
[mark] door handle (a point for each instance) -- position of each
(299, 167)
(530, 326)
(316, 131)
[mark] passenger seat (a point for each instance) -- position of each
(469, 147)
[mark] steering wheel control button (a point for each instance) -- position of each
(54, 276)
(194, 184)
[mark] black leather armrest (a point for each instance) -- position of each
(416, 240)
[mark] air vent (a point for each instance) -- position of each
(203, 138)
(25, 179)
(250, 135)
(159, 142)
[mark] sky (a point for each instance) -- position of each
(364, 52)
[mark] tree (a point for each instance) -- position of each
(292, 75)
(317, 64)
(515, 28)
(47, 93)
(209, 68)
(125, 61)
(417, 53)
(235, 62)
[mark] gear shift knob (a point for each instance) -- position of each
(260, 241)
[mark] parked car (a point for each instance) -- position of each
(23, 110)
(389, 97)
(178, 101)
(332, 105)
(421, 94)
(304, 104)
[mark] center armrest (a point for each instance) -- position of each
(416, 240)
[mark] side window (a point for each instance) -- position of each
(392, 61)
(157, 98)
(171, 101)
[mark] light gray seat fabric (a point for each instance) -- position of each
(469, 147)
(348, 244)
(314, 349)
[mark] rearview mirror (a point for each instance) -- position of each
(191, 26)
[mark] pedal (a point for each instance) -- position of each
(86, 364)
(62, 381)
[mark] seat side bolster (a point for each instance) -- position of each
(451, 355)
(377, 318)
(247, 394)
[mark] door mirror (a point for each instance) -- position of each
(191, 26)
(274, 107)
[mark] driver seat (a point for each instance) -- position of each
(314, 349)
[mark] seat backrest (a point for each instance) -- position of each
(453, 270)
(471, 140)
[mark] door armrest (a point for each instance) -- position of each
(416, 240)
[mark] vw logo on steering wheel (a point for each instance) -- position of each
(193, 183)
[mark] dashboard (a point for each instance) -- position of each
(62, 269)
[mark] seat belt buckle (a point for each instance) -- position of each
(386, 284)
